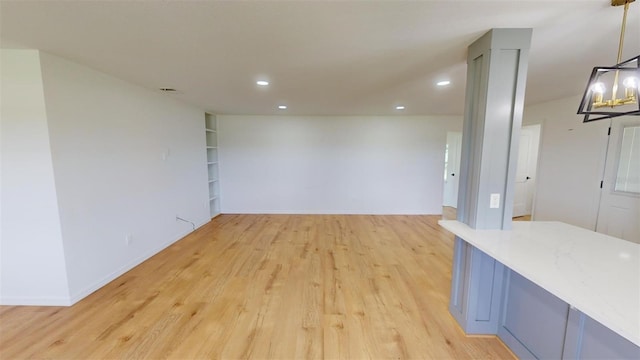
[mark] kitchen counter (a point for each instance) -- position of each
(595, 273)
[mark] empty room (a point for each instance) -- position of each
(319, 179)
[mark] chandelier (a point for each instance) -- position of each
(596, 103)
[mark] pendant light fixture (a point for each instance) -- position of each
(600, 99)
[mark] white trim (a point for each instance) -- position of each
(114, 275)
(34, 301)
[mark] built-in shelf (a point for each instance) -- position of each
(212, 164)
(210, 122)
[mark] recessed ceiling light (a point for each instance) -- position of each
(443, 83)
(262, 82)
(282, 107)
(400, 107)
(168, 89)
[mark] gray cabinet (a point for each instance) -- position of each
(588, 339)
(489, 298)
(533, 321)
(476, 289)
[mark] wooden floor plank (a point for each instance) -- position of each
(268, 286)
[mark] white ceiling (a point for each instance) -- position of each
(321, 57)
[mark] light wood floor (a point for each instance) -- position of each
(449, 213)
(277, 286)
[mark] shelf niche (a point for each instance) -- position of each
(211, 133)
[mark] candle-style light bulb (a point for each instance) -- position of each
(630, 87)
(598, 90)
(630, 82)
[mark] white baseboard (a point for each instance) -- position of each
(322, 212)
(74, 298)
(34, 301)
(117, 273)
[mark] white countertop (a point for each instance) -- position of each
(595, 273)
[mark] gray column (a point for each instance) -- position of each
(496, 78)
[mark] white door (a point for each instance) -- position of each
(453, 152)
(619, 211)
(526, 171)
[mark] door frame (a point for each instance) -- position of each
(610, 171)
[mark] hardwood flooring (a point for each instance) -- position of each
(268, 286)
(449, 213)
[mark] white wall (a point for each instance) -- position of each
(87, 160)
(32, 264)
(126, 161)
(571, 163)
(334, 164)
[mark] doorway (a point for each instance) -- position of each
(619, 209)
(526, 170)
(525, 174)
(452, 156)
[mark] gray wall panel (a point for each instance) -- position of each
(588, 339)
(535, 317)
